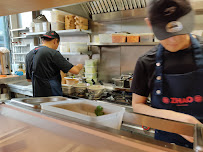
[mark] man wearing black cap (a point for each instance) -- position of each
(43, 65)
(172, 72)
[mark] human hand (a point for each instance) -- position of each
(191, 120)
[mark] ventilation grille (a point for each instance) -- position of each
(106, 6)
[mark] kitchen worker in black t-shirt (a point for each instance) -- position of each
(43, 65)
(172, 72)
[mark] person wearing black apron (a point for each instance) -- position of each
(43, 65)
(171, 72)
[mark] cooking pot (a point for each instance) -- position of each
(123, 82)
(95, 91)
(81, 89)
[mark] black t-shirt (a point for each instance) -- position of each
(47, 62)
(174, 63)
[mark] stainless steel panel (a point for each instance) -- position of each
(109, 63)
(129, 57)
(159, 123)
(120, 15)
(72, 131)
(35, 102)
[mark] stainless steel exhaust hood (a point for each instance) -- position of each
(113, 10)
(108, 10)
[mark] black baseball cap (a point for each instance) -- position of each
(51, 35)
(170, 17)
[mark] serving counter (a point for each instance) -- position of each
(30, 130)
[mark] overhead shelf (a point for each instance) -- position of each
(20, 53)
(125, 44)
(23, 37)
(20, 45)
(63, 32)
(19, 29)
(76, 53)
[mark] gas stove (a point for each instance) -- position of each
(117, 97)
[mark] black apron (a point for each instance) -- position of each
(45, 87)
(179, 92)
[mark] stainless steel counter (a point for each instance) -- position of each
(29, 130)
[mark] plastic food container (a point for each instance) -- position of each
(38, 27)
(118, 38)
(91, 75)
(67, 89)
(71, 81)
(64, 47)
(78, 47)
(146, 37)
(55, 26)
(91, 62)
(46, 26)
(90, 69)
(133, 38)
(90, 81)
(84, 110)
(105, 38)
(58, 16)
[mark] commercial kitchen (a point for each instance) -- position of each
(107, 37)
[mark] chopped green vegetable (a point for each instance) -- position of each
(99, 111)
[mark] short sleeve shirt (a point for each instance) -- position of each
(179, 62)
(47, 63)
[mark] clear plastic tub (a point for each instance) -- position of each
(78, 47)
(105, 38)
(91, 75)
(91, 62)
(84, 109)
(46, 26)
(58, 16)
(146, 37)
(38, 27)
(90, 69)
(118, 38)
(133, 38)
(55, 26)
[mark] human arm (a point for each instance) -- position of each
(139, 106)
(76, 69)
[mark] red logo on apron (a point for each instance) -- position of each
(181, 101)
